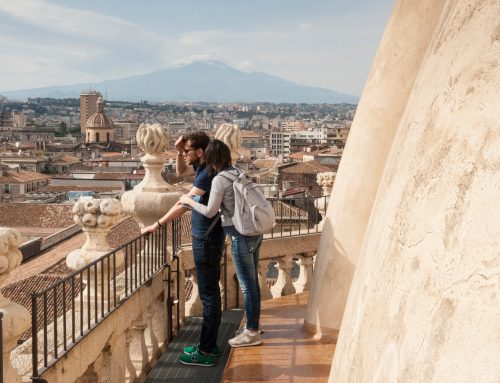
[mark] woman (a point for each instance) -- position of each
(244, 249)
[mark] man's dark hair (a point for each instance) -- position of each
(199, 140)
(217, 156)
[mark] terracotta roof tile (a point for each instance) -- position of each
(297, 155)
(21, 176)
(110, 175)
(35, 215)
(266, 163)
(65, 189)
(310, 167)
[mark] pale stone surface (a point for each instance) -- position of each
(326, 181)
(104, 351)
(96, 217)
(230, 134)
(16, 319)
(153, 196)
(379, 112)
(424, 304)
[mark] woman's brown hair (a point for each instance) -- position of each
(217, 156)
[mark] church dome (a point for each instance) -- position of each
(99, 119)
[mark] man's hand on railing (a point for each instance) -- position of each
(151, 228)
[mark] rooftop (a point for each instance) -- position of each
(310, 167)
(36, 215)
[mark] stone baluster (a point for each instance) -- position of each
(131, 374)
(139, 326)
(303, 282)
(152, 338)
(116, 363)
(193, 304)
(283, 285)
(233, 290)
(265, 292)
(96, 217)
(16, 318)
(102, 366)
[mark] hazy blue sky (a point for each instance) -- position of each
(328, 43)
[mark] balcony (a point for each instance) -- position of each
(117, 315)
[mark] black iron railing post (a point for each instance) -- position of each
(34, 336)
(224, 254)
(1, 346)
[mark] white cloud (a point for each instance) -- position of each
(244, 65)
(304, 26)
(71, 21)
(47, 44)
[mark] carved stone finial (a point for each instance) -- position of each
(230, 134)
(16, 318)
(96, 217)
(152, 139)
(10, 255)
(326, 180)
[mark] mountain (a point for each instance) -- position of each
(198, 81)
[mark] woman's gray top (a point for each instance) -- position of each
(221, 197)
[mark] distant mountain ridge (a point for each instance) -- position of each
(197, 81)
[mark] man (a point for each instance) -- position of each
(207, 253)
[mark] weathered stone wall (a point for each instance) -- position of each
(424, 304)
(379, 113)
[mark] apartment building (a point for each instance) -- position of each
(88, 106)
(284, 143)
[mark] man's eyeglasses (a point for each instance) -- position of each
(186, 151)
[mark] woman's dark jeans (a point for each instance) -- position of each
(245, 254)
(207, 255)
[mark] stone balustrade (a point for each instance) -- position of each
(123, 348)
(285, 267)
(126, 345)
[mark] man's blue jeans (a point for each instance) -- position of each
(207, 257)
(245, 254)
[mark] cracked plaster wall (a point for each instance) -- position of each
(424, 304)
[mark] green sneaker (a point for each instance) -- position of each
(196, 358)
(216, 353)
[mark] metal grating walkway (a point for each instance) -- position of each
(168, 369)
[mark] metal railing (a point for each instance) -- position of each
(68, 310)
(1, 346)
(296, 216)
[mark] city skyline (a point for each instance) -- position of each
(329, 44)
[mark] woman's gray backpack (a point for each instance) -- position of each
(253, 213)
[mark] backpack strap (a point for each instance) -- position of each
(229, 172)
(211, 227)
